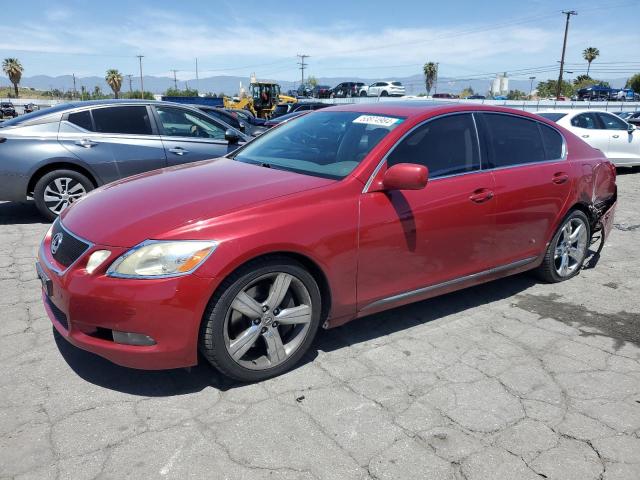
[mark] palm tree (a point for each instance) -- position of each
(114, 79)
(590, 54)
(13, 68)
(430, 70)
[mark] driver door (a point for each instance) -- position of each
(188, 136)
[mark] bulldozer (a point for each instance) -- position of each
(261, 100)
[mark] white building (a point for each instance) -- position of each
(500, 84)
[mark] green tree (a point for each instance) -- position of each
(430, 71)
(13, 69)
(312, 81)
(516, 95)
(590, 54)
(583, 81)
(136, 94)
(467, 92)
(634, 83)
(187, 92)
(548, 89)
(114, 80)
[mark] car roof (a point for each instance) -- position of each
(573, 110)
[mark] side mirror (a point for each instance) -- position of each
(243, 127)
(630, 128)
(405, 176)
(231, 136)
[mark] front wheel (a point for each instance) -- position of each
(363, 94)
(262, 320)
(56, 190)
(567, 250)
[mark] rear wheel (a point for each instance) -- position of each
(56, 190)
(363, 93)
(384, 93)
(567, 250)
(262, 320)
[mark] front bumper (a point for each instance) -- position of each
(85, 308)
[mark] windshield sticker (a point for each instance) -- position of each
(376, 120)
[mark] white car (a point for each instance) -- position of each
(607, 132)
(383, 89)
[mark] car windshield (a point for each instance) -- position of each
(553, 116)
(323, 144)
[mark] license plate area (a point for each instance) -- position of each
(47, 284)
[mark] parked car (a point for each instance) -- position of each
(285, 108)
(248, 116)
(443, 95)
(304, 91)
(633, 119)
(624, 115)
(30, 107)
(475, 97)
(321, 91)
(605, 131)
(231, 118)
(332, 216)
(383, 89)
(272, 122)
(57, 155)
(346, 89)
(7, 110)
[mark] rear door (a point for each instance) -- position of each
(121, 135)
(588, 126)
(189, 136)
(624, 147)
(532, 182)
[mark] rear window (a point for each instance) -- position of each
(553, 142)
(553, 116)
(512, 140)
(81, 119)
(133, 120)
(397, 84)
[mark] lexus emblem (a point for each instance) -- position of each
(56, 242)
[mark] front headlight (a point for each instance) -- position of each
(155, 258)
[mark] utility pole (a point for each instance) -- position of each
(130, 83)
(74, 85)
(302, 66)
(435, 87)
(175, 81)
(568, 13)
(531, 86)
(197, 78)
(141, 82)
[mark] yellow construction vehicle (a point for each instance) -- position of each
(261, 100)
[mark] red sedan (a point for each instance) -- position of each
(332, 216)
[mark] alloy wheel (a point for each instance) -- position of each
(267, 321)
(571, 247)
(62, 192)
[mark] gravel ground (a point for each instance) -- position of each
(513, 379)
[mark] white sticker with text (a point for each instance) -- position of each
(376, 120)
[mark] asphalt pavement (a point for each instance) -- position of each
(513, 379)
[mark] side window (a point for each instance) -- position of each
(446, 146)
(177, 122)
(512, 140)
(585, 120)
(133, 120)
(553, 142)
(611, 122)
(81, 119)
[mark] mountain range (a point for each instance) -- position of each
(230, 84)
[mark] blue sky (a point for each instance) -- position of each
(344, 38)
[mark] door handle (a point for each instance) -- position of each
(560, 178)
(86, 143)
(481, 195)
(178, 150)
(616, 136)
(585, 136)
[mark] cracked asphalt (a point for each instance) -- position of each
(509, 380)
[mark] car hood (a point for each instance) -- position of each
(147, 206)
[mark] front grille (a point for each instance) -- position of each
(58, 314)
(69, 248)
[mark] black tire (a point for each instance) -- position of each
(384, 93)
(363, 94)
(39, 191)
(212, 331)
(547, 271)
